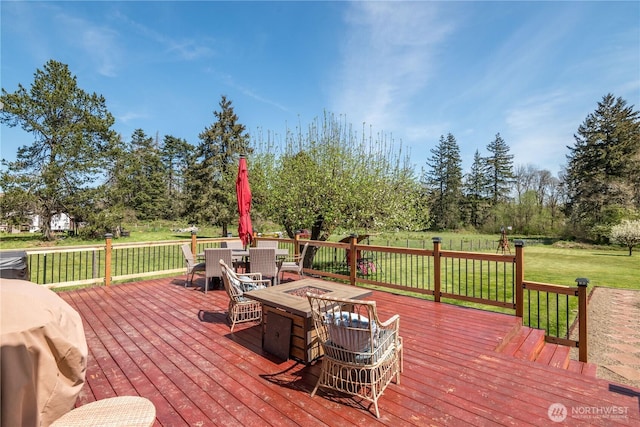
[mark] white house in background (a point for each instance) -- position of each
(59, 222)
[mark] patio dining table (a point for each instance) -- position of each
(244, 253)
(280, 253)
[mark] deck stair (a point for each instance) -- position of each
(529, 344)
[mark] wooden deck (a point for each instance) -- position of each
(172, 345)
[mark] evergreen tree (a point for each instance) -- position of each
(119, 188)
(175, 154)
(475, 192)
(602, 172)
(71, 132)
(146, 177)
(499, 170)
(444, 183)
(211, 179)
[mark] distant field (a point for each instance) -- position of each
(144, 233)
(607, 266)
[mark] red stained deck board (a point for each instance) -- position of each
(560, 358)
(546, 353)
(200, 353)
(531, 346)
(216, 348)
(589, 369)
(172, 344)
(575, 366)
(132, 366)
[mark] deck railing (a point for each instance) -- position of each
(480, 279)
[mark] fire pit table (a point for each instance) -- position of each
(287, 326)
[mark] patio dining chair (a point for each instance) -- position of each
(241, 308)
(267, 244)
(212, 257)
(232, 244)
(361, 354)
(235, 245)
(263, 261)
(193, 267)
(294, 264)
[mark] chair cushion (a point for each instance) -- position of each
(289, 264)
(350, 331)
(236, 283)
(247, 284)
(244, 284)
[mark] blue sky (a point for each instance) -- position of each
(531, 71)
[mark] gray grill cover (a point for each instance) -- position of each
(13, 265)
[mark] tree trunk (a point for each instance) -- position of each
(630, 250)
(47, 235)
(316, 229)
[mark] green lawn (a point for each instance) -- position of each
(603, 267)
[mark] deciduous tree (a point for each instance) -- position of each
(330, 178)
(627, 233)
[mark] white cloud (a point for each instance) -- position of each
(387, 59)
(131, 115)
(188, 49)
(87, 40)
(101, 46)
(539, 130)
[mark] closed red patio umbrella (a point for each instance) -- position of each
(243, 193)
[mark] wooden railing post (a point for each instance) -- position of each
(296, 244)
(107, 259)
(194, 242)
(436, 268)
(582, 318)
(519, 279)
(94, 264)
(353, 262)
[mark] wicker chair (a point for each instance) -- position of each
(131, 411)
(295, 263)
(361, 354)
(193, 267)
(212, 257)
(263, 261)
(241, 308)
